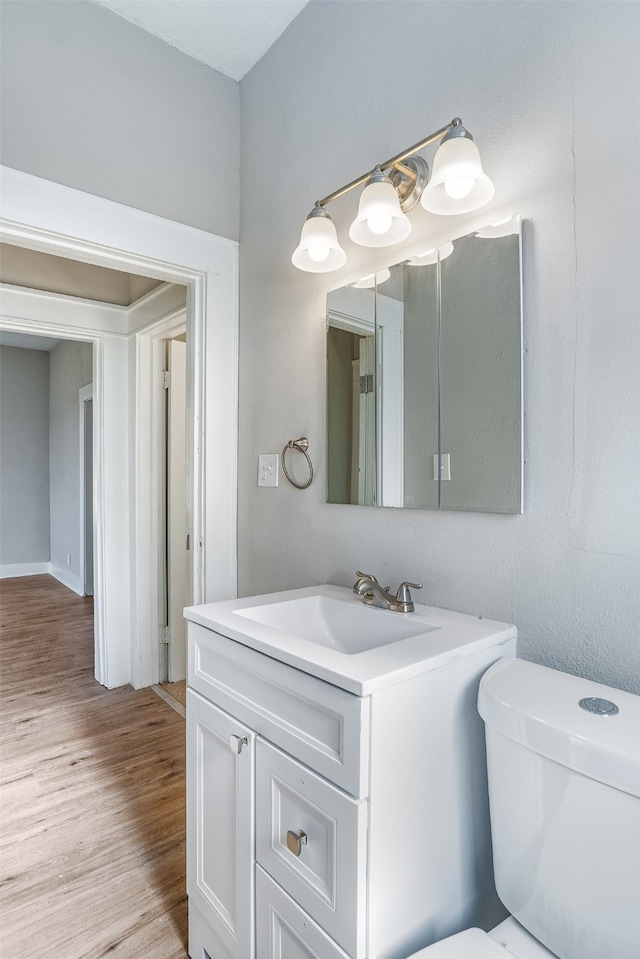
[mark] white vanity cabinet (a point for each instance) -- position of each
(220, 813)
(323, 824)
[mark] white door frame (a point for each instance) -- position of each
(150, 494)
(85, 394)
(45, 216)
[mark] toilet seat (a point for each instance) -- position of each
(470, 944)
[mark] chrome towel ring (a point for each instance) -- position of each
(301, 445)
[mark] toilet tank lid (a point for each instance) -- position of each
(540, 708)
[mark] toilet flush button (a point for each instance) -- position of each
(601, 707)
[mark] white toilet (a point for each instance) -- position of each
(563, 758)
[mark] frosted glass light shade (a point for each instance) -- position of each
(318, 250)
(380, 221)
(458, 183)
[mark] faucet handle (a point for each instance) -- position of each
(362, 578)
(403, 595)
(366, 576)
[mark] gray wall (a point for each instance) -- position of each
(93, 102)
(541, 86)
(24, 456)
(70, 368)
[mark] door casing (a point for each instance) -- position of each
(40, 215)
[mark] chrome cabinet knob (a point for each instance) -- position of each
(295, 841)
(236, 743)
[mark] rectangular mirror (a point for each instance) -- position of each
(424, 379)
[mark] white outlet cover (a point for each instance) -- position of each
(268, 469)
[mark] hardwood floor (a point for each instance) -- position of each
(92, 794)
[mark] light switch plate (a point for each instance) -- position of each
(442, 463)
(268, 469)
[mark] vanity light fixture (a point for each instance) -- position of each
(380, 220)
(458, 184)
(319, 250)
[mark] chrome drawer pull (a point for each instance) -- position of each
(295, 841)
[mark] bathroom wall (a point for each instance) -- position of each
(549, 91)
(93, 102)
(24, 459)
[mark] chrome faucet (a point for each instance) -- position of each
(373, 594)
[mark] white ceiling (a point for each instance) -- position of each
(27, 341)
(228, 35)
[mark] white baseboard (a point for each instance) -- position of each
(11, 570)
(68, 579)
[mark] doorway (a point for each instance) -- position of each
(48, 217)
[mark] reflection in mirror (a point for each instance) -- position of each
(421, 384)
(424, 404)
(351, 459)
(481, 409)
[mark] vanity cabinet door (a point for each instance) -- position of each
(220, 828)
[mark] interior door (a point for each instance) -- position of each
(177, 558)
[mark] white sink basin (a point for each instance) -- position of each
(328, 632)
(349, 628)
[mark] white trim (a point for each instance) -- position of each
(85, 393)
(69, 311)
(149, 494)
(350, 324)
(46, 216)
(161, 302)
(12, 570)
(68, 579)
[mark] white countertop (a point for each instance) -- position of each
(447, 636)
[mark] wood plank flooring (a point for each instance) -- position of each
(92, 794)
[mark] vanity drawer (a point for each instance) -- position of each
(312, 839)
(325, 727)
(283, 930)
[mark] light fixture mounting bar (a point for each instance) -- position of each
(390, 163)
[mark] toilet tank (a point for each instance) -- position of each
(564, 791)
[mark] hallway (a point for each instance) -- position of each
(92, 793)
